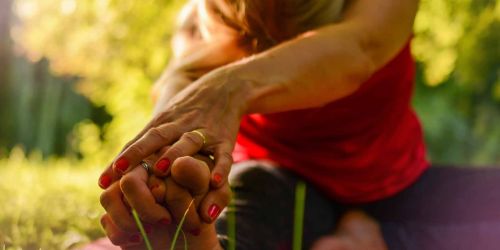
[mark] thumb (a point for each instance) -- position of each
(192, 174)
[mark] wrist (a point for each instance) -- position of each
(238, 89)
(250, 77)
(167, 87)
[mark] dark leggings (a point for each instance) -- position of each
(447, 208)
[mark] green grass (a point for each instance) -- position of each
(298, 222)
(48, 205)
(54, 204)
(141, 230)
(179, 229)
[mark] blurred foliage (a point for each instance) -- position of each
(458, 92)
(47, 208)
(118, 48)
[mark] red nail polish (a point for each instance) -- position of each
(164, 221)
(217, 178)
(153, 186)
(121, 164)
(213, 211)
(104, 181)
(195, 232)
(135, 238)
(163, 165)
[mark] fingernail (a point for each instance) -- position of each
(121, 164)
(163, 165)
(217, 178)
(164, 221)
(213, 211)
(104, 181)
(135, 238)
(153, 186)
(195, 232)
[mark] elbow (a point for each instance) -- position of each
(361, 69)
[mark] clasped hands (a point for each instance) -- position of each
(161, 201)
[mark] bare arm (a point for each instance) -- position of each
(325, 64)
(193, 55)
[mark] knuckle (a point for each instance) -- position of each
(147, 217)
(157, 133)
(124, 225)
(128, 184)
(193, 138)
(105, 200)
(227, 156)
(225, 160)
(175, 152)
(136, 149)
(128, 144)
(160, 118)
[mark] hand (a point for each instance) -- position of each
(189, 180)
(213, 105)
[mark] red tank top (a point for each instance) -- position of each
(361, 148)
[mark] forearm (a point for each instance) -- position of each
(307, 72)
(326, 64)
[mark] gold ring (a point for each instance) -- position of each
(196, 131)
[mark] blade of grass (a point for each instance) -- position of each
(179, 227)
(231, 225)
(185, 240)
(141, 230)
(300, 198)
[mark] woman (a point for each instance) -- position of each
(300, 90)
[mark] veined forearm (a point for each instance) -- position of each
(309, 71)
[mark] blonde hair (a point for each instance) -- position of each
(262, 24)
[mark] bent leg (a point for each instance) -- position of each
(264, 209)
(447, 208)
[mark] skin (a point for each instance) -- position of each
(189, 181)
(212, 83)
(356, 231)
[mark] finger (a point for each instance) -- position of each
(152, 141)
(157, 187)
(111, 201)
(178, 200)
(134, 187)
(214, 202)
(206, 159)
(116, 235)
(223, 162)
(192, 174)
(189, 144)
(107, 178)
